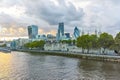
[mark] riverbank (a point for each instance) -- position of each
(76, 55)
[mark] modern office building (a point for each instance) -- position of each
(67, 35)
(76, 32)
(32, 31)
(60, 32)
(41, 37)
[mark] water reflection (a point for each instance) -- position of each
(22, 66)
(5, 61)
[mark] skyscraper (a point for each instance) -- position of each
(32, 31)
(60, 31)
(76, 32)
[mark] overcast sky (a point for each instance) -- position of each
(88, 15)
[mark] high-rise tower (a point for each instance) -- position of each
(60, 31)
(76, 32)
(32, 31)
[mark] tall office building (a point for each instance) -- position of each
(76, 32)
(32, 31)
(60, 31)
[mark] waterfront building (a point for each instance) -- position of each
(32, 31)
(60, 32)
(76, 33)
(13, 45)
(54, 46)
(19, 43)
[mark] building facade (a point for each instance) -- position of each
(60, 32)
(32, 31)
(76, 33)
(67, 35)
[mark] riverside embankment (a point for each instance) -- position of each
(109, 58)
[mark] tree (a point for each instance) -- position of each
(74, 42)
(84, 42)
(4, 45)
(40, 44)
(117, 43)
(94, 41)
(66, 41)
(35, 44)
(105, 41)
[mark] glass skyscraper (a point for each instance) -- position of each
(60, 31)
(76, 32)
(32, 31)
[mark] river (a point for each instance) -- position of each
(30, 66)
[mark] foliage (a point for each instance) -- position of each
(68, 41)
(85, 42)
(105, 41)
(35, 44)
(117, 43)
(4, 45)
(94, 41)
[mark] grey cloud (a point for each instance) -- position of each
(6, 19)
(47, 15)
(54, 14)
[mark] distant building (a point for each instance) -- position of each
(60, 32)
(76, 32)
(50, 36)
(13, 44)
(32, 31)
(19, 43)
(67, 35)
(55, 46)
(41, 37)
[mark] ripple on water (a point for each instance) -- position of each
(25, 66)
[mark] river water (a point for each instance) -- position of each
(26, 66)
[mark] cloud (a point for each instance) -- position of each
(86, 14)
(53, 14)
(6, 19)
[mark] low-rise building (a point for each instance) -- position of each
(55, 46)
(19, 43)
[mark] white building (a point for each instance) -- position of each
(55, 46)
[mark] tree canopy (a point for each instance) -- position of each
(106, 41)
(85, 42)
(88, 42)
(35, 44)
(117, 43)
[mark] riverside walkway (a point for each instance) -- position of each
(99, 57)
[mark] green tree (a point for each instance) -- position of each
(105, 41)
(84, 42)
(66, 41)
(40, 44)
(94, 41)
(27, 45)
(117, 43)
(35, 44)
(74, 42)
(4, 45)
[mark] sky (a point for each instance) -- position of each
(87, 15)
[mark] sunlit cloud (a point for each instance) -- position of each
(15, 11)
(16, 15)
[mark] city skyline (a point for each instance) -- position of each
(46, 14)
